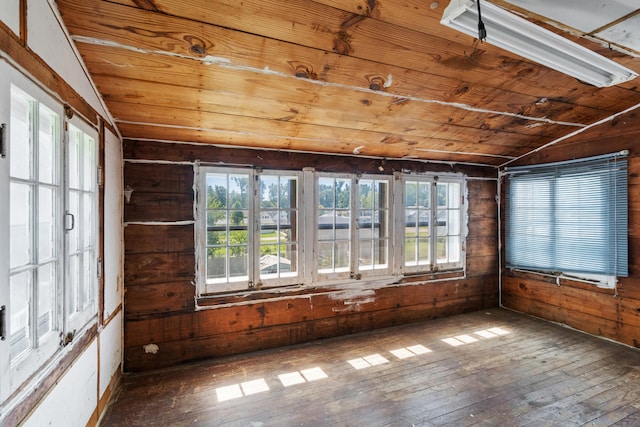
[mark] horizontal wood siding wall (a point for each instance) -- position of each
(608, 313)
(160, 267)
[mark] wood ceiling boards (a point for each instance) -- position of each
(378, 78)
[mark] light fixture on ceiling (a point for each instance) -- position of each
(517, 35)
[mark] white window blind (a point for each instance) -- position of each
(568, 217)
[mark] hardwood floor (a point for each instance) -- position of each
(489, 368)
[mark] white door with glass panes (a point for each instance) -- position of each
(48, 229)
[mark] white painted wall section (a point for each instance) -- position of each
(110, 351)
(74, 399)
(10, 15)
(48, 39)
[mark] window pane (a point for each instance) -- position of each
(86, 221)
(74, 152)
(89, 164)
(21, 141)
(73, 277)
(424, 251)
(216, 238)
(20, 225)
(216, 263)
(278, 226)
(46, 224)
(216, 217)
(334, 224)
(372, 224)
(19, 302)
(417, 223)
(239, 191)
(269, 192)
(239, 218)
(85, 293)
(228, 219)
(47, 145)
(73, 235)
(238, 261)
(333, 257)
(342, 256)
(46, 298)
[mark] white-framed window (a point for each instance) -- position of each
(258, 229)
(433, 223)
(81, 227)
(352, 226)
(49, 238)
(569, 218)
(236, 208)
(35, 254)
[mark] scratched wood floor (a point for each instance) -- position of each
(489, 368)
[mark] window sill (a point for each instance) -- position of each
(601, 283)
(247, 297)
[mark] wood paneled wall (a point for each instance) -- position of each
(613, 314)
(160, 266)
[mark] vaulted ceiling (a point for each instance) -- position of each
(380, 78)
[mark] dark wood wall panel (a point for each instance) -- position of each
(613, 314)
(160, 266)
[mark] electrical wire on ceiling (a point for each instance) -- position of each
(482, 32)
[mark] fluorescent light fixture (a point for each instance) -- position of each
(517, 35)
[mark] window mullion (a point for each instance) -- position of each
(354, 210)
(433, 219)
(254, 230)
(309, 241)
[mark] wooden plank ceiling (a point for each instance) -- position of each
(379, 78)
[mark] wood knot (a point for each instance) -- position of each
(302, 70)
(342, 43)
(376, 82)
(197, 49)
(197, 45)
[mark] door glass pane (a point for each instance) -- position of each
(73, 236)
(73, 277)
(47, 135)
(87, 220)
(85, 288)
(20, 224)
(74, 150)
(19, 331)
(46, 223)
(89, 164)
(20, 141)
(46, 298)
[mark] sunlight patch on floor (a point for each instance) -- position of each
(368, 361)
(468, 339)
(299, 377)
(229, 392)
(406, 352)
